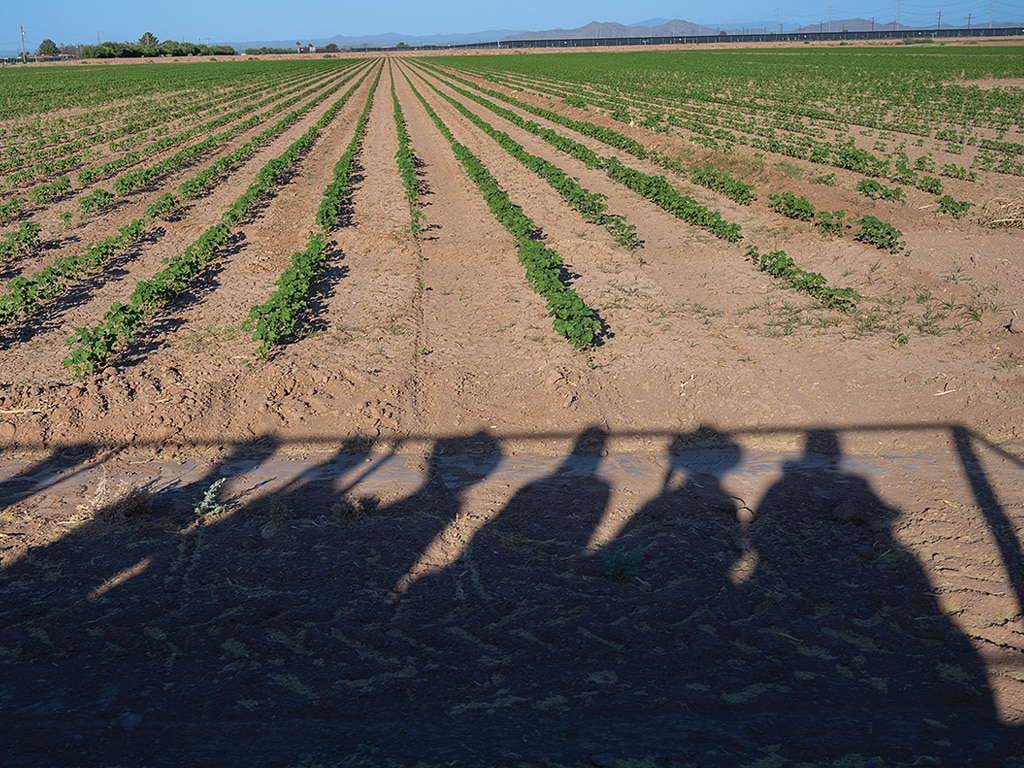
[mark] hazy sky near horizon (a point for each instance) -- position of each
(76, 21)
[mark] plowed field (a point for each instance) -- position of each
(743, 528)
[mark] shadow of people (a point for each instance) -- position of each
(689, 538)
(429, 519)
(846, 649)
(549, 521)
(265, 633)
(672, 576)
(90, 622)
(508, 633)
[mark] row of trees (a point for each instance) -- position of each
(147, 46)
(299, 48)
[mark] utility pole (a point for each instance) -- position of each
(939, 25)
(968, 22)
(24, 58)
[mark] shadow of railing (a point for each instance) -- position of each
(439, 600)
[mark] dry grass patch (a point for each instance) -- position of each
(1004, 212)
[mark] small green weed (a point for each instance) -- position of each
(621, 563)
(208, 506)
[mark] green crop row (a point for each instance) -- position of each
(792, 206)
(879, 234)
(406, 160)
(50, 167)
(129, 182)
(905, 174)
(955, 208)
(589, 204)
(24, 295)
(877, 191)
(277, 318)
(44, 193)
(657, 189)
(723, 183)
(778, 264)
(95, 201)
(329, 213)
(92, 348)
(11, 208)
(954, 171)
(833, 223)
(24, 241)
(571, 317)
(94, 174)
(61, 151)
(193, 187)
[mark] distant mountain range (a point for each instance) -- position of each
(385, 40)
(595, 29)
(607, 29)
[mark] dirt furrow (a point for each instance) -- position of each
(483, 323)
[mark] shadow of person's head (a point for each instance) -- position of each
(458, 462)
(705, 451)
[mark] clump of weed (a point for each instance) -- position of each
(351, 508)
(115, 505)
(621, 563)
(208, 506)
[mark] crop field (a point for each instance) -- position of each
(609, 403)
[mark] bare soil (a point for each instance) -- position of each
(742, 530)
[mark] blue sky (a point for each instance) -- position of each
(77, 21)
